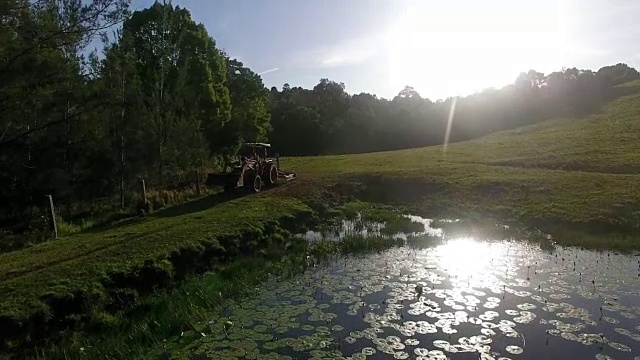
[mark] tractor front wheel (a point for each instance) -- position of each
(257, 183)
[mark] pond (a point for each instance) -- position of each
(462, 298)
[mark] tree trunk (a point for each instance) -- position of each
(122, 111)
(68, 156)
(122, 171)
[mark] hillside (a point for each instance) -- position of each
(606, 142)
(581, 170)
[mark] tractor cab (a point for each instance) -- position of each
(254, 151)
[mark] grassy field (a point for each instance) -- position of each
(581, 172)
(584, 171)
(605, 142)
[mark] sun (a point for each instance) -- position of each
(445, 51)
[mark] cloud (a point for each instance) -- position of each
(268, 71)
(344, 53)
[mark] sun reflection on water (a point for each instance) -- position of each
(467, 257)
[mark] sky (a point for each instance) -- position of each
(441, 48)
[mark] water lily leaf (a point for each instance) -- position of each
(618, 346)
(514, 349)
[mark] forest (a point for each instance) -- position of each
(160, 101)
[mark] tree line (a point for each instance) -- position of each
(327, 120)
(161, 100)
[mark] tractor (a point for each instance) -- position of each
(251, 171)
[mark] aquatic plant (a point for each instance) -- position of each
(405, 303)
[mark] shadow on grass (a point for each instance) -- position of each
(188, 207)
(171, 211)
(199, 204)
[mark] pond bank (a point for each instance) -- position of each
(558, 204)
(73, 287)
(360, 295)
(89, 281)
(180, 312)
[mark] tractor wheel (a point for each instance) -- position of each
(257, 183)
(272, 175)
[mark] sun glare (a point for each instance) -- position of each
(464, 257)
(456, 50)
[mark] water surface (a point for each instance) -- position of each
(466, 298)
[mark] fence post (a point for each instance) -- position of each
(144, 192)
(52, 213)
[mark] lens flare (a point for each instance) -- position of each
(449, 122)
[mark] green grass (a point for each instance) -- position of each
(76, 274)
(579, 171)
(393, 218)
(371, 212)
(181, 313)
(605, 142)
(67, 228)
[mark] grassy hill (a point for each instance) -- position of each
(566, 171)
(606, 142)
(578, 170)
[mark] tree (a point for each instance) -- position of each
(249, 104)
(182, 89)
(121, 84)
(38, 41)
(44, 95)
(409, 92)
(616, 74)
(331, 102)
(530, 81)
(359, 126)
(296, 131)
(364, 122)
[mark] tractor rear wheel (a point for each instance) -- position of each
(272, 175)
